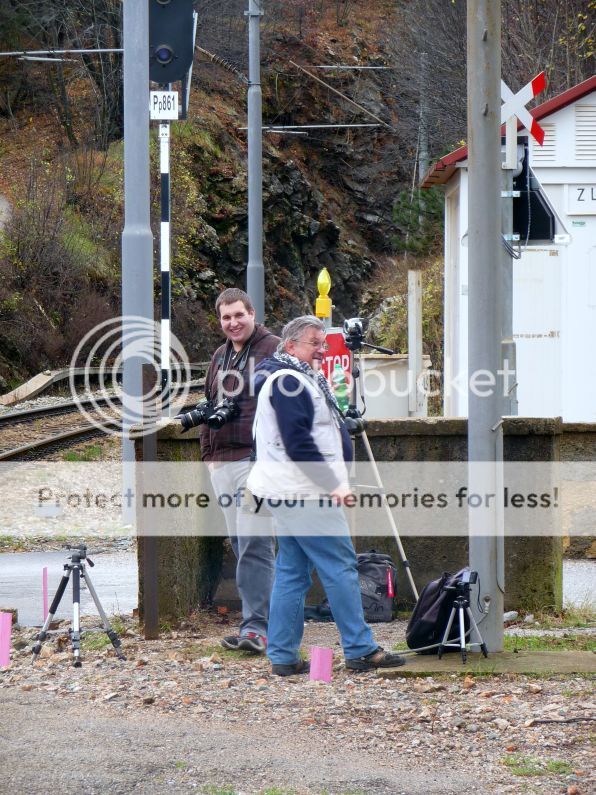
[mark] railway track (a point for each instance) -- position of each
(28, 434)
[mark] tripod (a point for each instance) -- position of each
(356, 426)
(461, 606)
(76, 567)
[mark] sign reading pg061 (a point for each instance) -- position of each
(163, 104)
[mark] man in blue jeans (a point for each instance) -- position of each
(302, 447)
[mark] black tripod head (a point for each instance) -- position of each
(355, 422)
(462, 586)
(79, 554)
(353, 334)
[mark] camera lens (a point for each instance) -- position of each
(216, 421)
(222, 413)
(189, 420)
(198, 415)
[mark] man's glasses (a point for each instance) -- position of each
(321, 345)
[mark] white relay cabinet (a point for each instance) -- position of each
(554, 281)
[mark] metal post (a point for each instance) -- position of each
(415, 398)
(508, 352)
(149, 540)
(484, 340)
(166, 290)
(255, 272)
(137, 240)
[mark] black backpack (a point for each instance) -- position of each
(429, 618)
(378, 577)
(378, 580)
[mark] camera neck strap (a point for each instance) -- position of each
(232, 362)
(237, 360)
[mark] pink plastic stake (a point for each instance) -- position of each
(321, 663)
(5, 630)
(44, 581)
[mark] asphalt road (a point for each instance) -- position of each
(115, 579)
(52, 746)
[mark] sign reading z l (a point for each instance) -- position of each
(580, 195)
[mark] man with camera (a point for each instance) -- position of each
(301, 476)
(226, 447)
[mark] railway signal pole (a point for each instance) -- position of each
(172, 31)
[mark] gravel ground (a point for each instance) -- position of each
(182, 715)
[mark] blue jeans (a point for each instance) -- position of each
(334, 559)
(255, 555)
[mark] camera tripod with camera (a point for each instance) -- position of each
(461, 607)
(353, 334)
(76, 566)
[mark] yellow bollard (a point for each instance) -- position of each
(323, 305)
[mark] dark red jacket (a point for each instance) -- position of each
(234, 441)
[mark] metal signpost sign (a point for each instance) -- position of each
(163, 105)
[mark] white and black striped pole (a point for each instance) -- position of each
(166, 289)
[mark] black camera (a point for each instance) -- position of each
(353, 333)
(462, 585)
(354, 422)
(214, 415)
(470, 577)
(200, 414)
(225, 411)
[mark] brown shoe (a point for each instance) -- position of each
(301, 667)
(376, 659)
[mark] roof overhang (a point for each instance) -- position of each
(441, 172)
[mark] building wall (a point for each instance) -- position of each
(554, 301)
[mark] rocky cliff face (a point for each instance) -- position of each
(327, 195)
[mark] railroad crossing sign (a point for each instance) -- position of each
(515, 105)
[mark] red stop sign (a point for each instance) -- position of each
(337, 353)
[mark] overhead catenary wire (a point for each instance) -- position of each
(284, 127)
(25, 53)
(46, 60)
(217, 59)
(344, 66)
(341, 94)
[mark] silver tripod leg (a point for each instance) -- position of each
(75, 630)
(445, 641)
(474, 628)
(112, 635)
(462, 634)
(51, 613)
(402, 553)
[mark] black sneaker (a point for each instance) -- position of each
(301, 667)
(257, 644)
(376, 659)
(230, 642)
